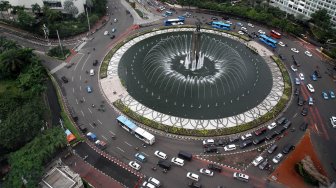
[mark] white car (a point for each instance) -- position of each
(148, 185)
(257, 160)
(281, 44)
(301, 76)
(333, 121)
(311, 88)
(293, 68)
(261, 32)
(106, 33)
(277, 158)
(308, 53)
(115, 20)
(246, 136)
(230, 147)
(241, 32)
(113, 30)
(206, 172)
(180, 23)
(243, 28)
(272, 126)
(208, 142)
(177, 161)
(160, 154)
(193, 176)
(250, 25)
(295, 50)
(240, 176)
(229, 22)
(134, 165)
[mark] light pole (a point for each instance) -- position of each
(59, 41)
(46, 33)
(87, 17)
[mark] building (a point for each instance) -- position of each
(52, 4)
(306, 7)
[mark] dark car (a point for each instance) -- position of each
(271, 135)
(280, 130)
(288, 148)
(297, 91)
(288, 124)
(234, 139)
(300, 101)
(215, 167)
(164, 164)
(95, 62)
(214, 18)
(245, 144)
(112, 37)
(210, 150)
(304, 111)
(295, 61)
(64, 79)
(194, 184)
(259, 140)
(317, 74)
(272, 148)
(82, 128)
(263, 165)
(303, 126)
(221, 142)
(282, 120)
(73, 114)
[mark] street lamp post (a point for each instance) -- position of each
(87, 17)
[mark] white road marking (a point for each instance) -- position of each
(91, 125)
(82, 113)
(120, 149)
(85, 61)
(72, 78)
(90, 110)
(73, 90)
(76, 101)
(83, 99)
(128, 143)
(104, 137)
(99, 121)
(80, 88)
(318, 132)
(112, 133)
(296, 114)
(80, 77)
(79, 61)
(145, 154)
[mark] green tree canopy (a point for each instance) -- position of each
(321, 19)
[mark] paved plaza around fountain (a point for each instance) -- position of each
(113, 89)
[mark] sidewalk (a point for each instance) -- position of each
(94, 177)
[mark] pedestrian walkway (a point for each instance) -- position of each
(90, 174)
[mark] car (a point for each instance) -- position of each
(211, 149)
(246, 144)
(209, 23)
(260, 131)
(310, 88)
(288, 148)
(221, 142)
(280, 130)
(164, 15)
(261, 32)
(240, 24)
(177, 161)
(332, 94)
(82, 128)
(234, 138)
(304, 111)
(318, 74)
(113, 30)
(272, 148)
(246, 136)
(301, 76)
(146, 184)
(297, 81)
(287, 124)
(310, 101)
(313, 77)
(282, 120)
(293, 68)
(214, 18)
(300, 100)
(297, 91)
(257, 160)
(206, 172)
(303, 126)
(112, 37)
(333, 121)
(271, 126)
(92, 72)
(230, 147)
(160, 154)
(295, 50)
(193, 176)
(106, 33)
(241, 32)
(208, 142)
(308, 53)
(101, 144)
(263, 165)
(215, 167)
(250, 25)
(134, 165)
(193, 184)
(281, 44)
(64, 79)
(325, 95)
(240, 176)
(95, 63)
(243, 28)
(277, 158)
(229, 22)
(165, 164)
(140, 157)
(282, 57)
(154, 181)
(271, 135)
(88, 89)
(115, 20)
(259, 140)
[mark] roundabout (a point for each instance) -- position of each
(231, 85)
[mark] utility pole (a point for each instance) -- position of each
(46, 33)
(87, 17)
(59, 41)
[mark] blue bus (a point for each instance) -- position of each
(268, 40)
(175, 21)
(221, 25)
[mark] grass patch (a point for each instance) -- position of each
(8, 85)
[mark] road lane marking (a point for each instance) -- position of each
(112, 133)
(83, 99)
(296, 114)
(104, 137)
(91, 125)
(80, 88)
(80, 59)
(318, 132)
(80, 77)
(99, 121)
(120, 149)
(73, 90)
(128, 143)
(82, 113)
(76, 101)
(72, 78)
(90, 110)
(145, 154)
(85, 61)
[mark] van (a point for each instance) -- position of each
(154, 181)
(272, 148)
(185, 155)
(91, 72)
(164, 164)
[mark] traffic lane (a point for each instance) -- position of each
(110, 168)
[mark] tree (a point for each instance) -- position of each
(321, 18)
(36, 8)
(25, 19)
(51, 16)
(70, 8)
(14, 60)
(33, 79)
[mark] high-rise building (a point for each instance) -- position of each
(306, 7)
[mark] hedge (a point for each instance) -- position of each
(306, 177)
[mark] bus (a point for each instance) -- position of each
(175, 21)
(221, 25)
(268, 40)
(275, 34)
(138, 132)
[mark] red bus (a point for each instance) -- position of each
(275, 34)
